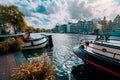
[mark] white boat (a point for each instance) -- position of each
(36, 43)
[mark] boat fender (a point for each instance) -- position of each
(32, 43)
(104, 50)
(87, 43)
(91, 41)
(81, 47)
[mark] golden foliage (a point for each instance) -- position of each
(20, 43)
(32, 28)
(12, 14)
(39, 30)
(36, 70)
(11, 45)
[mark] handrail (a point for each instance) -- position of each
(114, 54)
(35, 39)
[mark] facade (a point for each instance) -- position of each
(116, 23)
(81, 27)
(74, 28)
(10, 28)
(104, 24)
(85, 27)
(7, 29)
(61, 28)
(90, 26)
(68, 27)
(109, 26)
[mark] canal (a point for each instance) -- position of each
(62, 52)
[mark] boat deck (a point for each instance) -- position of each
(110, 52)
(35, 43)
(112, 43)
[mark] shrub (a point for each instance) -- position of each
(11, 45)
(2, 31)
(4, 47)
(15, 44)
(20, 43)
(36, 70)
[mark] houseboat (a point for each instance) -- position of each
(102, 54)
(34, 43)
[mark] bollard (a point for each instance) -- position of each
(50, 42)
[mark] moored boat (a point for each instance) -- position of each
(35, 43)
(104, 55)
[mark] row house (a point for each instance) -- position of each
(116, 23)
(60, 28)
(85, 27)
(74, 28)
(81, 27)
(108, 26)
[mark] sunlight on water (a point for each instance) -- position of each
(64, 44)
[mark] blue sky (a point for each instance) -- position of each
(47, 13)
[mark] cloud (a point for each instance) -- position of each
(47, 13)
(79, 10)
(108, 8)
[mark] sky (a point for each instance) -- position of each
(48, 13)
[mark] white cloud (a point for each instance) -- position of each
(48, 13)
(108, 8)
(79, 9)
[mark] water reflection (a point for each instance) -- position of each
(62, 52)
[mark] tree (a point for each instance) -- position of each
(17, 18)
(38, 30)
(11, 14)
(2, 15)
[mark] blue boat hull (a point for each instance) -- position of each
(99, 61)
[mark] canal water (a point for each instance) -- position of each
(62, 52)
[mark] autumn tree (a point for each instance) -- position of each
(38, 30)
(11, 14)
